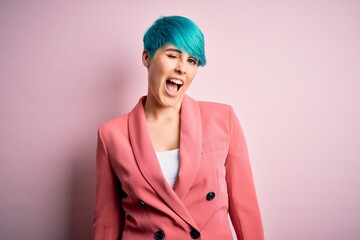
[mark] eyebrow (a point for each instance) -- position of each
(179, 51)
(173, 49)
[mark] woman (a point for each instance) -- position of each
(174, 168)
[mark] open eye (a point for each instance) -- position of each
(193, 61)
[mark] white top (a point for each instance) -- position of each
(169, 163)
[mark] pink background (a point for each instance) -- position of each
(289, 68)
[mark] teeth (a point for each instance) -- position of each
(176, 81)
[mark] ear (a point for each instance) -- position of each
(146, 58)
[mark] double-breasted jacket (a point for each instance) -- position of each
(134, 200)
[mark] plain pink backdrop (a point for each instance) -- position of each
(289, 68)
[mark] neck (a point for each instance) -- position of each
(154, 111)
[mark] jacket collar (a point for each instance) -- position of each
(190, 154)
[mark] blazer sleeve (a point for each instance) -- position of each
(108, 213)
(243, 205)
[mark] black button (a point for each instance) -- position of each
(142, 203)
(210, 196)
(194, 234)
(159, 235)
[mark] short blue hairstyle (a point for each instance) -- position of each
(179, 31)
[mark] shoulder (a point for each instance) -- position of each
(215, 116)
(214, 113)
(214, 110)
(120, 123)
(214, 107)
(211, 110)
(116, 125)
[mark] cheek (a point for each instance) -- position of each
(159, 70)
(188, 82)
(192, 75)
(153, 75)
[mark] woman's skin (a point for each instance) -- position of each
(170, 73)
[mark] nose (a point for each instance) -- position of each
(181, 67)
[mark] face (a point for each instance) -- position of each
(170, 73)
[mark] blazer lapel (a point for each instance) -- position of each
(190, 146)
(190, 153)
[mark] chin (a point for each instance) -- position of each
(172, 102)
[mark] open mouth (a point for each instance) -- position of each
(174, 85)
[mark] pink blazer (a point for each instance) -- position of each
(134, 201)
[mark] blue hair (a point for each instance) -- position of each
(179, 31)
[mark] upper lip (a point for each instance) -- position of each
(176, 80)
